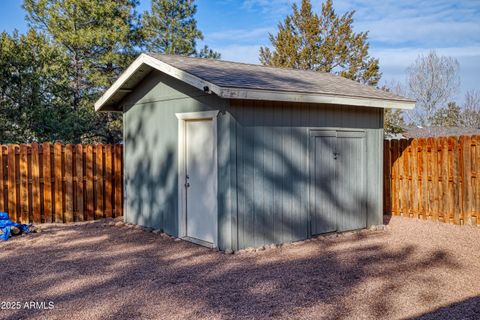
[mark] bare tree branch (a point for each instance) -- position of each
(432, 81)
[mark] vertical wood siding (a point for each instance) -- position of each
(263, 160)
(151, 149)
(272, 166)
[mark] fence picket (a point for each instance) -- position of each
(476, 186)
(395, 184)
(446, 180)
(118, 179)
(108, 180)
(68, 214)
(58, 181)
(23, 183)
(404, 196)
(414, 190)
(387, 206)
(99, 194)
(79, 180)
(89, 182)
(456, 208)
(423, 186)
(47, 182)
(12, 183)
(435, 182)
(36, 207)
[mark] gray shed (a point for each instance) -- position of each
(233, 155)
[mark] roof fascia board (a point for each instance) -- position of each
(160, 66)
(181, 75)
(252, 94)
(118, 83)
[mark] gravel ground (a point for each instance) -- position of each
(414, 269)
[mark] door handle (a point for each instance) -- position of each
(335, 155)
(187, 185)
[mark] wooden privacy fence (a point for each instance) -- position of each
(433, 178)
(61, 183)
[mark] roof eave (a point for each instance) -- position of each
(104, 103)
(145, 59)
(252, 94)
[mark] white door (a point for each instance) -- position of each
(201, 197)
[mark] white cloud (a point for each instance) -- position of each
(240, 53)
(416, 22)
(392, 22)
(241, 34)
(405, 56)
(274, 7)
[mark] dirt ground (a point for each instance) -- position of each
(413, 270)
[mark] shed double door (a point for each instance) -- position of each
(338, 199)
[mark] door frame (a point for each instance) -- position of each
(182, 195)
(326, 131)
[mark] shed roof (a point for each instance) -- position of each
(233, 80)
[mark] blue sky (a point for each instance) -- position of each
(399, 30)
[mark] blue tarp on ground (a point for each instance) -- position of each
(6, 226)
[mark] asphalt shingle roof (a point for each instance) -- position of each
(249, 76)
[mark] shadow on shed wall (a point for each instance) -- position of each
(271, 161)
(267, 163)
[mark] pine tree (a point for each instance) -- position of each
(326, 43)
(448, 116)
(170, 27)
(98, 39)
(393, 121)
(32, 91)
(208, 53)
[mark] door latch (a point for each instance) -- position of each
(335, 155)
(187, 184)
